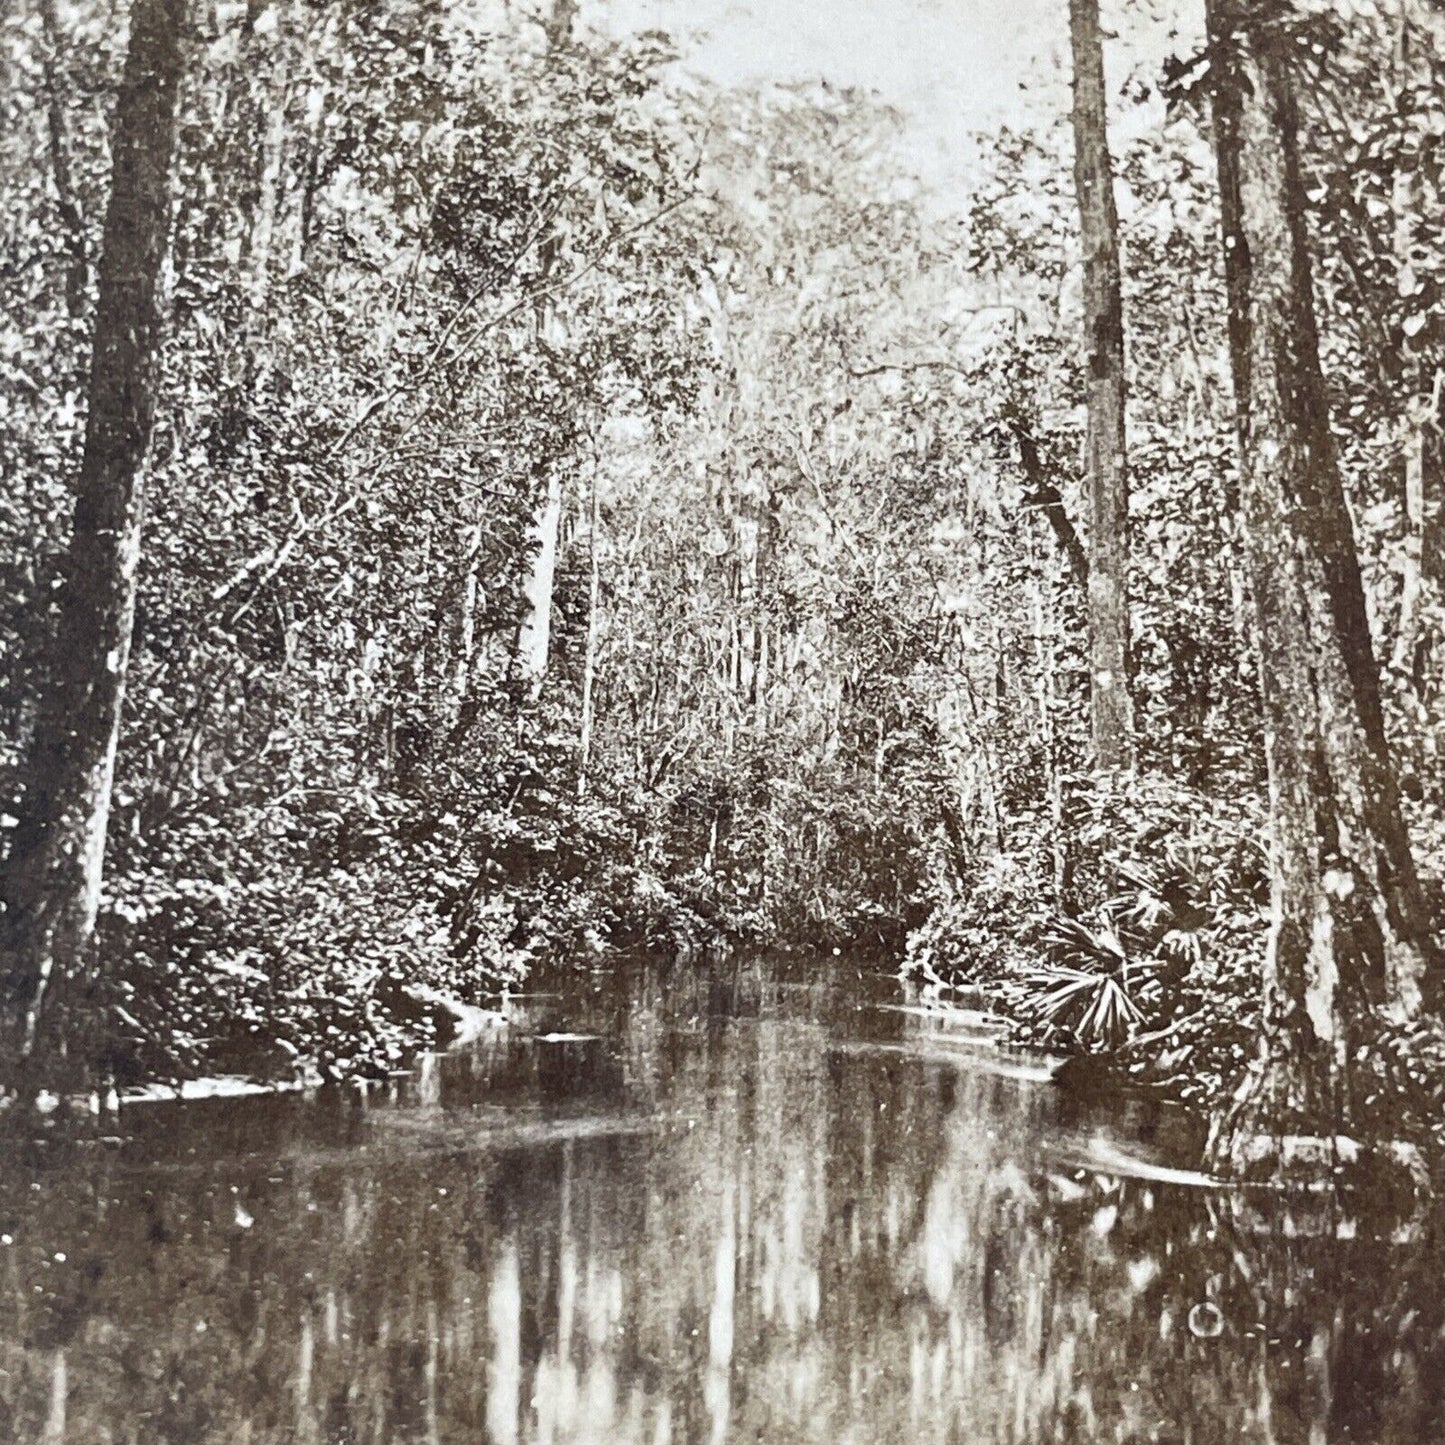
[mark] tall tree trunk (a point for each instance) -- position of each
(53, 876)
(1350, 933)
(1420, 409)
(594, 626)
(534, 640)
(1106, 461)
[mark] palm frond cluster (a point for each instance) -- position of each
(1107, 976)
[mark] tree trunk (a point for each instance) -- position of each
(535, 638)
(1106, 462)
(1407, 627)
(594, 625)
(1046, 654)
(53, 876)
(466, 622)
(534, 643)
(1350, 935)
(72, 222)
(1421, 407)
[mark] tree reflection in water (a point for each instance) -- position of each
(721, 1208)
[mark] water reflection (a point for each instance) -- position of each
(736, 1207)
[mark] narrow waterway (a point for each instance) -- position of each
(743, 1205)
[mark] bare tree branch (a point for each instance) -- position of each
(1044, 495)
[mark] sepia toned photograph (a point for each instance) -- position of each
(722, 721)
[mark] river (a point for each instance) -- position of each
(752, 1203)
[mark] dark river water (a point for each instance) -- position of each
(729, 1206)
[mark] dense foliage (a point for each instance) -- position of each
(818, 671)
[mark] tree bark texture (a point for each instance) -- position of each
(53, 875)
(1350, 933)
(1105, 456)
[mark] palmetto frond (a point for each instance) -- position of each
(1143, 909)
(1094, 1006)
(1075, 944)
